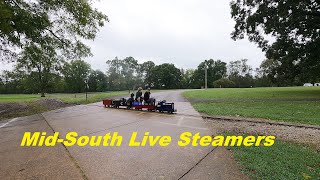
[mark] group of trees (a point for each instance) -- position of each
(39, 36)
(43, 37)
(293, 54)
(70, 77)
(128, 74)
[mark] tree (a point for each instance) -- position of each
(45, 33)
(215, 70)
(12, 81)
(2, 86)
(41, 62)
(144, 72)
(97, 81)
(295, 28)
(223, 83)
(122, 73)
(186, 78)
(240, 73)
(57, 24)
(76, 73)
(165, 76)
(269, 69)
(129, 68)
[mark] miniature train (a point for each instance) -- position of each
(161, 106)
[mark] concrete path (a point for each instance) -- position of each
(124, 162)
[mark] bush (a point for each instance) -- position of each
(223, 83)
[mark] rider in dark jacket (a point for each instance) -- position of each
(139, 94)
(146, 96)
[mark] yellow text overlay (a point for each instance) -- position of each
(143, 139)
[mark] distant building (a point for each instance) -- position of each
(310, 84)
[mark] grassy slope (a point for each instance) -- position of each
(293, 104)
(281, 161)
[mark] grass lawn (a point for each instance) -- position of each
(65, 97)
(16, 105)
(292, 104)
(281, 161)
(81, 97)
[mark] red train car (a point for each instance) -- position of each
(107, 102)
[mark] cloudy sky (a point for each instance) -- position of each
(183, 32)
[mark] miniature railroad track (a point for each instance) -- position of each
(262, 122)
(273, 123)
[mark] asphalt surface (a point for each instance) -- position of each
(124, 162)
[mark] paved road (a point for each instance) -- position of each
(124, 162)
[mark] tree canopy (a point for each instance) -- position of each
(58, 24)
(216, 69)
(41, 64)
(165, 76)
(294, 26)
(240, 73)
(76, 74)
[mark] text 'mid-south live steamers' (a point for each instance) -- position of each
(145, 139)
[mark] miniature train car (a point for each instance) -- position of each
(161, 106)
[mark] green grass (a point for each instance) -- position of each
(7, 98)
(280, 93)
(65, 97)
(27, 104)
(281, 161)
(291, 104)
(81, 97)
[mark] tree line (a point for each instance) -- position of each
(128, 74)
(40, 36)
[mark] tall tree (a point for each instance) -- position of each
(97, 81)
(40, 34)
(122, 73)
(215, 70)
(294, 26)
(41, 62)
(144, 72)
(76, 74)
(240, 73)
(187, 75)
(165, 76)
(58, 24)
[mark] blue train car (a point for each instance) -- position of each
(163, 106)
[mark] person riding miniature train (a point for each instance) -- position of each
(147, 99)
(136, 102)
(139, 97)
(130, 100)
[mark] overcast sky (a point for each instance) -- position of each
(183, 32)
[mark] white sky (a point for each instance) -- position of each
(183, 32)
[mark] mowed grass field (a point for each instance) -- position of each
(65, 97)
(291, 104)
(283, 160)
(16, 105)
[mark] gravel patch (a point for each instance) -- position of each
(11, 110)
(10, 107)
(51, 103)
(287, 133)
